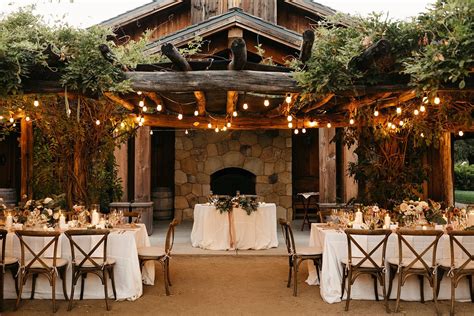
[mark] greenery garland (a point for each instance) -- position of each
(226, 204)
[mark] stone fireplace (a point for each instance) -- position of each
(253, 162)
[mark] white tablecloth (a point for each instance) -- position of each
(334, 247)
(122, 246)
(255, 231)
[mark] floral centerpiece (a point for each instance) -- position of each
(226, 203)
(373, 216)
(41, 212)
(420, 213)
(81, 213)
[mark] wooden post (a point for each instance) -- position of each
(120, 154)
(26, 145)
(350, 188)
(327, 165)
(447, 169)
(143, 165)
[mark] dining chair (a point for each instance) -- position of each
(7, 263)
(369, 263)
(458, 268)
(161, 255)
(87, 261)
(39, 264)
(416, 264)
(295, 258)
(133, 217)
(324, 214)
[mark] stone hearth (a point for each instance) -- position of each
(267, 154)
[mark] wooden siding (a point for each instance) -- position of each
(295, 19)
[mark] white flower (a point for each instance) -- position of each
(375, 209)
(56, 215)
(403, 207)
(47, 200)
(50, 211)
(423, 204)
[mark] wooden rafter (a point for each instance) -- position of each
(307, 45)
(239, 59)
(368, 100)
(126, 104)
(318, 104)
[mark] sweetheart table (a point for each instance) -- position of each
(333, 244)
(122, 246)
(234, 230)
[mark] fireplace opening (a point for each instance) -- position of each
(228, 181)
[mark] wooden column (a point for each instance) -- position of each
(120, 154)
(143, 164)
(327, 165)
(350, 188)
(26, 145)
(446, 168)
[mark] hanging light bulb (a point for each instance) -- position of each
(393, 126)
(416, 112)
(437, 100)
(296, 131)
(209, 125)
(303, 130)
(1, 117)
(266, 102)
(425, 100)
(245, 106)
(145, 109)
(422, 108)
(289, 118)
(290, 125)
(217, 129)
(196, 112)
(142, 119)
(139, 92)
(389, 124)
(329, 125)
(422, 135)
(351, 121)
(151, 132)
(159, 107)
(234, 114)
(461, 133)
(401, 123)
(12, 120)
(312, 123)
(376, 113)
(224, 128)
(180, 116)
(399, 110)
(14, 125)
(140, 123)
(229, 124)
(141, 103)
(97, 122)
(186, 132)
(36, 103)
(288, 99)
(27, 118)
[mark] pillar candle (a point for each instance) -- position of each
(62, 222)
(387, 220)
(9, 221)
(95, 217)
(358, 218)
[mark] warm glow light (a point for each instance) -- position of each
(217, 130)
(229, 124)
(376, 113)
(36, 103)
(196, 113)
(224, 128)
(139, 92)
(351, 121)
(329, 125)
(245, 106)
(289, 118)
(393, 126)
(27, 118)
(186, 132)
(140, 123)
(97, 122)
(266, 102)
(303, 130)
(437, 100)
(1, 117)
(401, 123)
(422, 108)
(422, 135)
(290, 125)
(209, 125)
(288, 99)
(399, 110)
(180, 116)
(296, 131)
(234, 114)
(313, 123)
(12, 120)
(14, 125)
(145, 109)
(416, 112)
(159, 107)
(461, 133)
(141, 103)
(142, 119)
(122, 125)
(151, 132)
(389, 124)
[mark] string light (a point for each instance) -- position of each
(145, 109)
(399, 110)
(151, 132)
(303, 130)
(461, 133)
(437, 100)
(389, 124)
(180, 116)
(422, 108)
(288, 99)
(27, 118)
(97, 122)
(209, 125)
(422, 135)
(313, 123)
(290, 125)
(245, 106)
(140, 123)
(329, 125)
(229, 124)
(234, 114)
(351, 121)
(224, 128)
(376, 113)
(266, 102)
(401, 123)
(196, 112)
(159, 107)
(289, 118)
(141, 103)
(425, 99)
(14, 125)
(139, 92)
(393, 126)
(296, 131)
(36, 103)
(217, 129)
(12, 120)
(416, 112)
(1, 117)
(122, 125)
(186, 132)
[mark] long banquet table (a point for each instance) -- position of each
(212, 230)
(333, 244)
(122, 246)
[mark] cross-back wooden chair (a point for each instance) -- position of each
(353, 266)
(7, 263)
(323, 215)
(133, 217)
(458, 268)
(88, 262)
(295, 258)
(161, 255)
(417, 265)
(39, 265)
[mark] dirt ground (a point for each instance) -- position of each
(229, 285)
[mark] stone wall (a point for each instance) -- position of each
(267, 154)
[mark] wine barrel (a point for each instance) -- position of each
(8, 195)
(162, 198)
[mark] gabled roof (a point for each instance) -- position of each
(310, 5)
(234, 17)
(140, 12)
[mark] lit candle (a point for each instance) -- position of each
(9, 221)
(358, 217)
(95, 217)
(62, 221)
(387, 220)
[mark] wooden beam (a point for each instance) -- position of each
(26, 149)
(126, 104)
(318, 104)
(354, 104)
(306, 45)
(201, 102)
(239, 59)
(285, 107)
(403, 97)
(446, 168)
(232, 98)
(153, 96)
